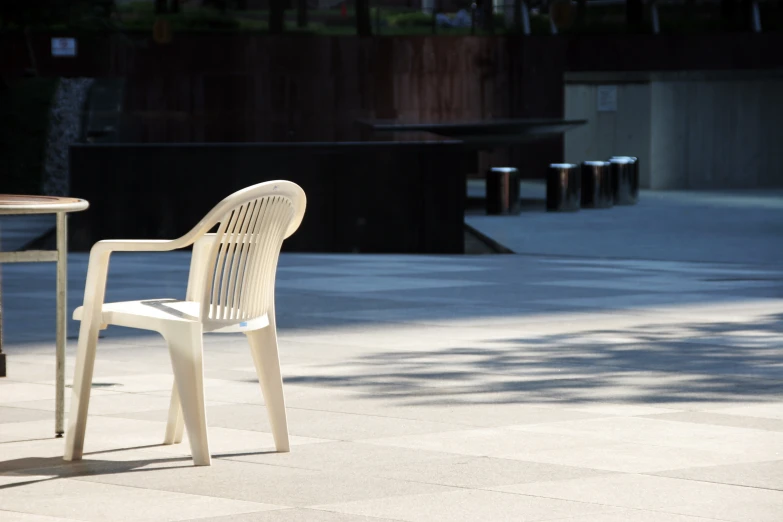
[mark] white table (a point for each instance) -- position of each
(17, 205)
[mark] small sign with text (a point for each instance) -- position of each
(64, 47)
(607, 98)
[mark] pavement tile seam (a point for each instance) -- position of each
(670, 511)
(654, 417)
(639, 510)
(310, 508)
(178, 492)
(674, 511)
(298, 509)
(230, 458)
(40, 517)
(664, 474)
(384, 519)
(411, 498)
(722, 420)
(596, 472)
(193, 495)
(455, 426)
(554, 498)
(445, 488)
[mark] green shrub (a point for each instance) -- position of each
(411, 19)
(192, 21)
(539, 24)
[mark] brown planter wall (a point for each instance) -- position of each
(218, 87)
(308, 88)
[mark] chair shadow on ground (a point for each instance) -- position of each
(659, 363)
(57, 468)
(54, 468)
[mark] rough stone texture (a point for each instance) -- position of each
(65, 126)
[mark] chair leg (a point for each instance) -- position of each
(263, 346)
(80, 396)
(185, 347)
(176, 424)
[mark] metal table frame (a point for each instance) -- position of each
(26, 205)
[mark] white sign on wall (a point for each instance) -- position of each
(607, 98)
(64, 47)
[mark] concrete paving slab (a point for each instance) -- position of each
(470, 505)
(581, 376)
(724, 227)
(763, 475)
(252, 482)
(294, 515)
(666, 495)
(42, 495)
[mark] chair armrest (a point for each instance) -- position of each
(98, 269)
(137, 245)
(198, 268)
(94, 291)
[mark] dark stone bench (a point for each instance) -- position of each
(395, 194)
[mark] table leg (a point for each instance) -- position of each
(2, 355)
(62, 310)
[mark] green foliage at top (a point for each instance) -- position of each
(44, 14)
(186, 21)
(230, 16)
(409, 19)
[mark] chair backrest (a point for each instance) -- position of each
(240, 269)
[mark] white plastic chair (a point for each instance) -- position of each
(230, 289)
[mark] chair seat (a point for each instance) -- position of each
(151, 313)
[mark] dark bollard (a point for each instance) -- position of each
(635, 178)
(503, 191)
(563, 187)
(622, 169)
(596, 185)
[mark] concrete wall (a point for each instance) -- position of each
(624, 132)
(690, 130)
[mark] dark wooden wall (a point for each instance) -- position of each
(247, 88)
(308, 88)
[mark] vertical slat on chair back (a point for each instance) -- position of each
(240, 285)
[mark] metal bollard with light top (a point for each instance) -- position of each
(625, 179)
(563, 187)
(503, 191)
(596, 185)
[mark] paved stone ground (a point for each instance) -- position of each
(727, 227)
(474, 388)
(18, 231)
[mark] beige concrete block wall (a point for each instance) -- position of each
(690, 130)
(668, 137)
(717, 134)
(624, 132)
